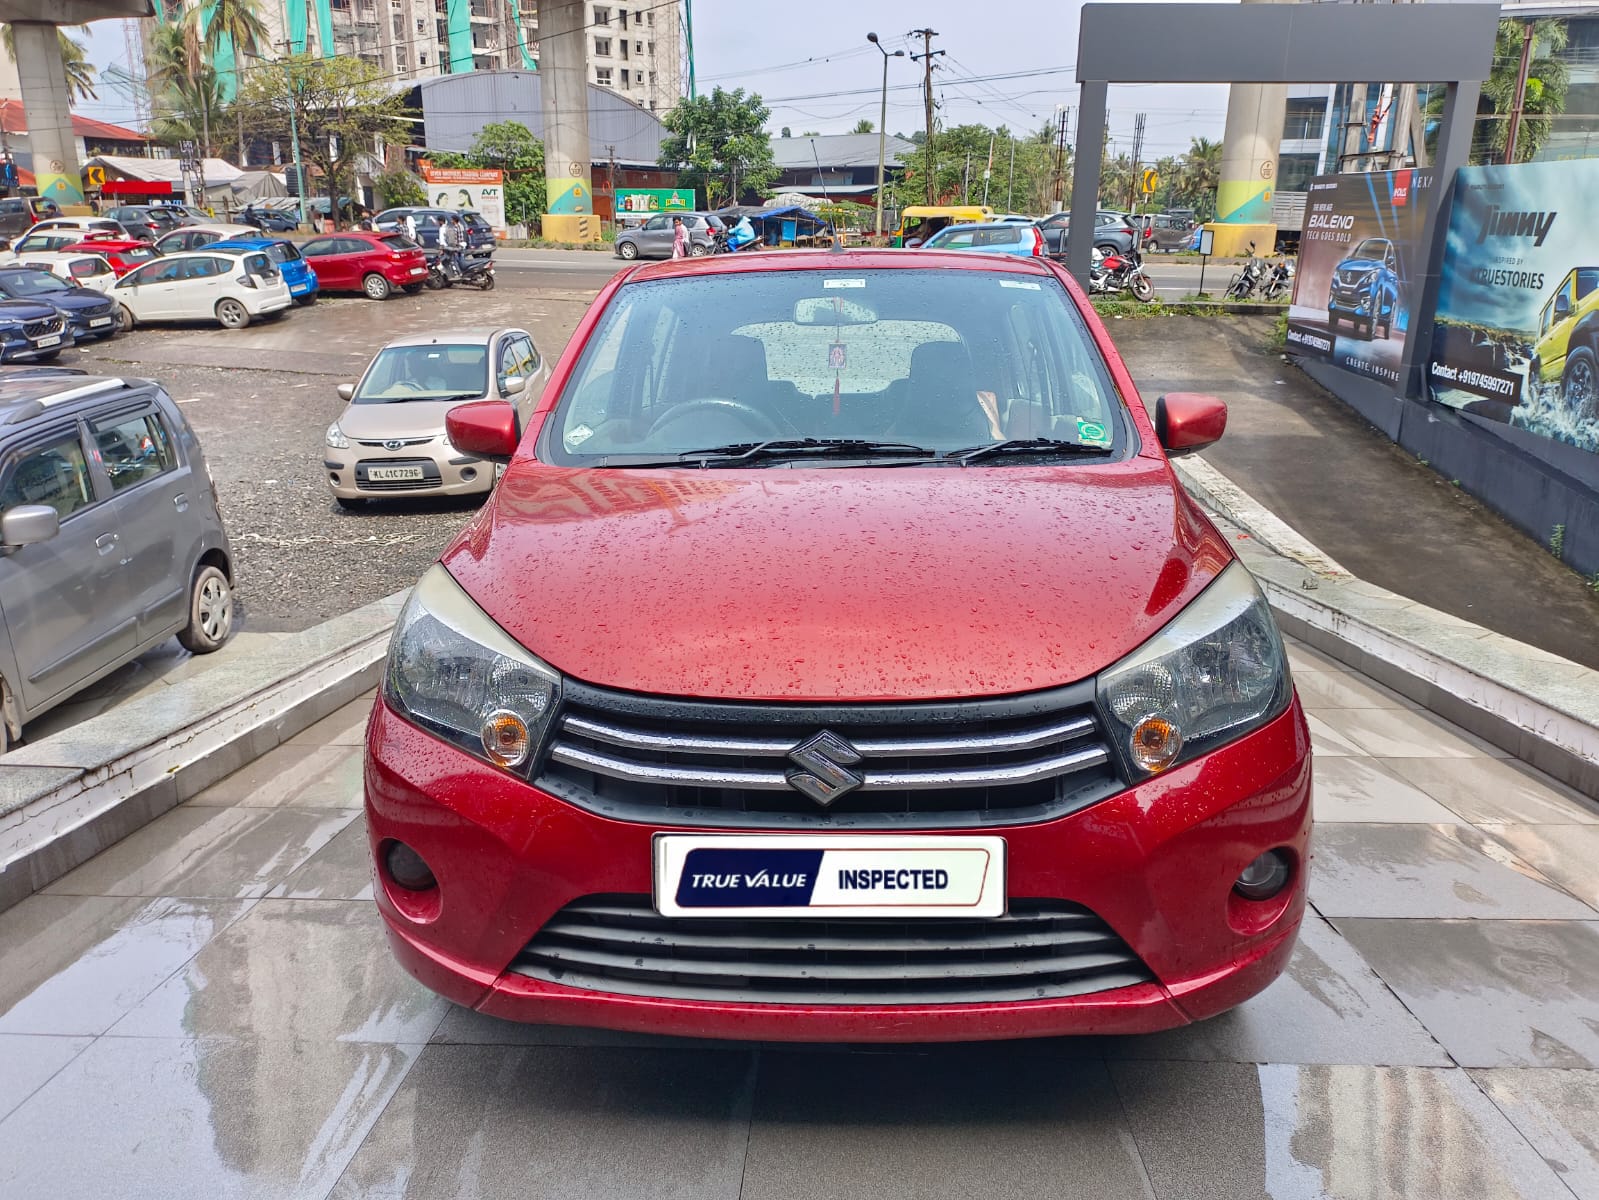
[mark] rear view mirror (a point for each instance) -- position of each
(27, 524)
(346, 391)
(513, 385)
(832, 310)
(484, 429)
(1186, 421)
(1562, 305)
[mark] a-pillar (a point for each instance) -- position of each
(563, 81)
(1248, 177)
(47, 101)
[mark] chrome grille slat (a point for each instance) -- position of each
(1041, 949)
(922, 765)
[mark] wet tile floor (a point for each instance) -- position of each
(208, 1009)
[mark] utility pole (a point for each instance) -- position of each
(294, 124)
(1010, 180)
(988, 171)
(1060, 163)
(1354, 126)
(882, 126)
(966, 180)
(926, 59)
(1138, 151)
(1514, 130)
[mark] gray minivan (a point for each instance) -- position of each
(110, 537)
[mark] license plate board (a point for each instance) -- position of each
(381, 474)
(840, 875)
(96, 322)
(419, 270)
(53, 340)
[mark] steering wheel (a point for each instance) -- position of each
(758, 421)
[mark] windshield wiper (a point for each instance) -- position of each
(432, 399)
(738, 453)
(1040, 446)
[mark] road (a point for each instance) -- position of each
(209, 1009)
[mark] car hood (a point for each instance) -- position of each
(403, 419)
(25, 310)
(1357, 266)
(81, 300)
(889, 584)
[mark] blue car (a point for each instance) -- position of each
(1365, 289)
(286, 256)
(273, 220)
(90, 314)
(990, 237)
(31, 331)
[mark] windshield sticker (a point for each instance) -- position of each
(843, 283)
(578, 434)
(1092, 433)
(835, 356)
(1025, 285)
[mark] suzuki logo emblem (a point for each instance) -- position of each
(826, 759)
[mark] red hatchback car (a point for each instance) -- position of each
(372, 263)
(124, 254)
(839, 659)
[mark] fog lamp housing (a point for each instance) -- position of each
(408, 868)
(1265, 876)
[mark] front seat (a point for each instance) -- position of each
(736, 370)
(940, 407)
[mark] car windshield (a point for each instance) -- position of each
(939, 359)
(282, 252)
(1373, 248)
(431, 372)
(32, 283)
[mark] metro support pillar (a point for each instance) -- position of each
(1248, 176)
(47, 101)
(563, 79)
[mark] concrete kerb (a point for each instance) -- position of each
(1536, 706)
(67, 797)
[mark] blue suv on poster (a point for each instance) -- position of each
(1365, 289)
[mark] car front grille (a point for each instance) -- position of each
(399, 443)
(43, 328)
(1040, 950)
(431, 478)
(939, 765)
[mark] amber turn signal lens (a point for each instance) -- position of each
(1155, 743)
(505, 738)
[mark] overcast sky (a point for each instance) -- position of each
(815, 69)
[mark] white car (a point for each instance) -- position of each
(192, 237)
(87, 270)
(84, 225)
(202, 287)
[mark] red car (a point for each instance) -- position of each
(839, 659)
(372, 263)
(124, 254)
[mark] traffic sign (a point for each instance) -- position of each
(1151, 181)
(95, 176)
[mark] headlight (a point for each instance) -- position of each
(1214, 672)
(455, 672)
(336, 437)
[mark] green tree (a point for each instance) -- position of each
(1545, 98)
(787, 132)
(1115, 181)
(864, 126)
(719, 143)
(236, 24)
(1198, 177)
(510, 146)
(399, 187)
(80, 71)
(341, 106)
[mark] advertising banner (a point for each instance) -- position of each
(1517, 334)
(466, 187)
(1359, 269)
(642, 201)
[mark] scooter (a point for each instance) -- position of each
(478, 273)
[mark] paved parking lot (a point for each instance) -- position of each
(208, 1010)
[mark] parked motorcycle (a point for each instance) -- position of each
(1119, 272)
(478, 272)
(1245, 282)
(1280, 281)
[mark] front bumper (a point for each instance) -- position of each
(1155, 862)
(445, 472)
(18, 347)
(90, 328)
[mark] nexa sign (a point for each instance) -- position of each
(1501, 222)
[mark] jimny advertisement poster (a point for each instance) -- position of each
(1517, 329)
(1357, 258)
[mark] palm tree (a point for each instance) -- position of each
(1547, 78)
(238, 25)
(1200, 175)
(74, 57)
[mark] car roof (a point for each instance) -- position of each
(471, 336)
(983, 225)
(29, 393)
(108, 244)
(246, 243)
(839, 260)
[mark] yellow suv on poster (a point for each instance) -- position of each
(1568, 343)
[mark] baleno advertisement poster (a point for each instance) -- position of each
(1517, 336)
(1358, 267)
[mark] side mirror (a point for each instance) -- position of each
(1186, 421)
(513, 385)
(346, 391)
(29, 523)
(484, 429)
(1562, 305)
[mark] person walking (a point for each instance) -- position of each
(408, 227)
(679, 238)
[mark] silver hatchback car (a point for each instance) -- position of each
(110, 537)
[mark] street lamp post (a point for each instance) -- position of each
(882, 126)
